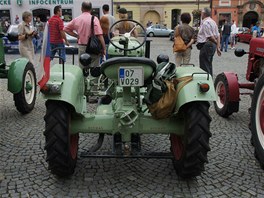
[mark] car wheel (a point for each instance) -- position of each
(171, 36)
(151, 34)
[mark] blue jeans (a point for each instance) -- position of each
(61, 51)
(225, 39)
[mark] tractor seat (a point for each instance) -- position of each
(110, 67)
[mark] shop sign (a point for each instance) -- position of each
(5, 2)
(50, 2)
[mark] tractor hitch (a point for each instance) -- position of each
(148, 155)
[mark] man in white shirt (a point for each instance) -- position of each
(233, 35)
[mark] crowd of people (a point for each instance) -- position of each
(208, 39)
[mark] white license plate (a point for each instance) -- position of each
(131, 76)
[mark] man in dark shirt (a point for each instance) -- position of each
(57, 35)
(226, 31)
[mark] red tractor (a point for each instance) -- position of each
(228, 93)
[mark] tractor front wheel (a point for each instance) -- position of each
(223, 106)
(257, 120)
(25, 99)
(61, 146)
(190, 150)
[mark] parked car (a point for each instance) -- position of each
(244, 36)
(172, 36)
(242, 29)
(159, 30)
(195, 33)
(73, 48)
(11, 39)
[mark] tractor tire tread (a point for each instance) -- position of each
(57, 143)
(197, 143)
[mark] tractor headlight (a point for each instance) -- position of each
(52, 88)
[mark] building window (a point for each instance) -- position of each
(224, 2)
(67, 15)
(130, 14)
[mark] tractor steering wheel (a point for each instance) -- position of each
(127, 35)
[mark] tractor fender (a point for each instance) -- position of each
(71, 88)
(191, 90)
(233, 86)
(15, 75)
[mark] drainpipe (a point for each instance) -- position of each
(112, 7)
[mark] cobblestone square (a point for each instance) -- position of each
(232, 170)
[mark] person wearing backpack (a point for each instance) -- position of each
(187, 34)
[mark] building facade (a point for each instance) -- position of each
(245, 12)
(165, 12)
(10, 9)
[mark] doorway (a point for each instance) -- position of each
(152, 17)
(250, 18)
(175, 17)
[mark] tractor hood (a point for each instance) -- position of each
(133, 43)
(257, 46)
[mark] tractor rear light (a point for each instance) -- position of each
(204, 87)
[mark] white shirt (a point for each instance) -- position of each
(234, 29)
(207, 29)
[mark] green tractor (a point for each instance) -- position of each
(123, 112)
(21, 78)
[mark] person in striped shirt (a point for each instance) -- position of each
(57, 34)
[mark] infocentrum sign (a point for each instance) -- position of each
(49, 2)
(5, 2)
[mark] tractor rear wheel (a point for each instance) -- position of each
(25, 99)
(223, 106)
(61, 146)
(257, 120)
(190, 151)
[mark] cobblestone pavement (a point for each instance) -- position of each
(232, 170)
